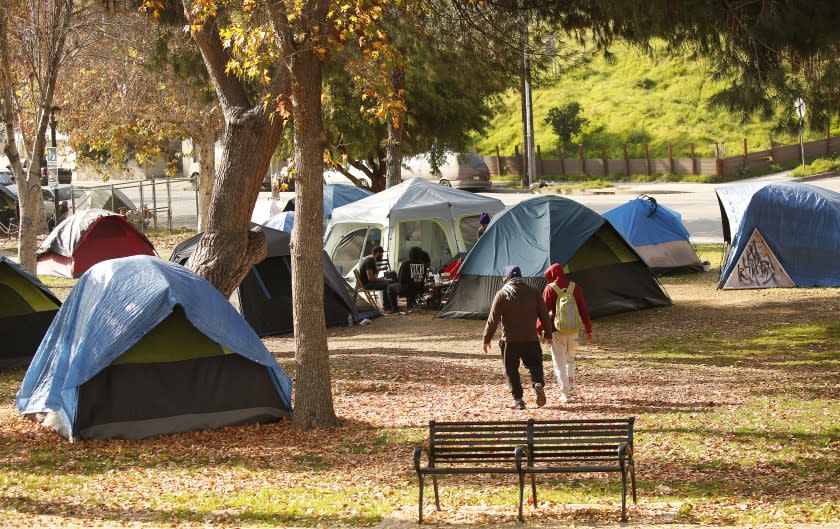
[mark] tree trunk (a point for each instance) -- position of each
(393, 157)
(31, 207)
(313, 397)
(393, 147)
(249, 139)
(207, 175)
(7, 96)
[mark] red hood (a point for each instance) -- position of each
(554, 274)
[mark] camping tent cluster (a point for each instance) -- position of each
(144, 347)
(550, 229)
(779, 234)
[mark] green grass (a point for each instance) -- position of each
(818, 166)
(637, 99)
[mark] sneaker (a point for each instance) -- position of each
(538, 389)
(564, 398)
(518, 404)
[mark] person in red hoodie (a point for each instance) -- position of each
(573, 318)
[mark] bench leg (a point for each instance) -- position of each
(633, 482)
(521, 494)
(435, 487)
(534, 490)
(623, 494)
(420, 500)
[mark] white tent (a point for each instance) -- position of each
(441, 220)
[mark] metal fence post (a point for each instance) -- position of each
(142, 209)
(168, 206)
(154, 203)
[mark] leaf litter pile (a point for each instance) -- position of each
(735, 393)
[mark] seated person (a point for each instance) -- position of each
(411, 277)
(368, 272)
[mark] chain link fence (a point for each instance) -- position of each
(166, 204)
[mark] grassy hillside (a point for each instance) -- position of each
(636, 99)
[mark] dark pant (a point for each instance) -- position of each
(384, 285)
(531, 355)
(411, 292)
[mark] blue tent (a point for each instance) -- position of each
(336, 195)
(284, 221)
(782, 234)
(550, 229)
(657, 234)
(145, 347)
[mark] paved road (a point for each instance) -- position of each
(697, 203)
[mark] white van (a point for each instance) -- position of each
(460, 170)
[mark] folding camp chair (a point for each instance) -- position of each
(369, 295)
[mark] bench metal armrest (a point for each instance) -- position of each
(520, 453)
(623, 450)
(418, 454)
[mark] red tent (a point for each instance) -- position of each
(88, 237)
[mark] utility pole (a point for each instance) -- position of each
(528, 155)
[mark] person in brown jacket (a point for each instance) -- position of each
(517, 306)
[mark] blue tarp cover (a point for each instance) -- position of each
(112, 307)
(642, 222)
(335, 196)
(800, 223)
(533, 234)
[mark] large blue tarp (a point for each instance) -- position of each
(112, 307)
(335, 196)
(643, 221)
(533, 235)
(284, 221)
(799, 222)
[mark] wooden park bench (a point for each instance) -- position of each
(528, 448)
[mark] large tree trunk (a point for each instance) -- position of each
(313, 399)
(248, 141)
(7, 96)
(207, 175)
(393, 157)
(393, 147)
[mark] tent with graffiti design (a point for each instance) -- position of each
(779, 234)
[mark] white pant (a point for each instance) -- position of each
(563, 347)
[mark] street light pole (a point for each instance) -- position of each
(530, 160)
(53, 124)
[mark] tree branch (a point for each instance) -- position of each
(229, 89)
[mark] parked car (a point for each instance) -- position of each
(332, 176)
(6, 178)
(461, 170)
(52, 196)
